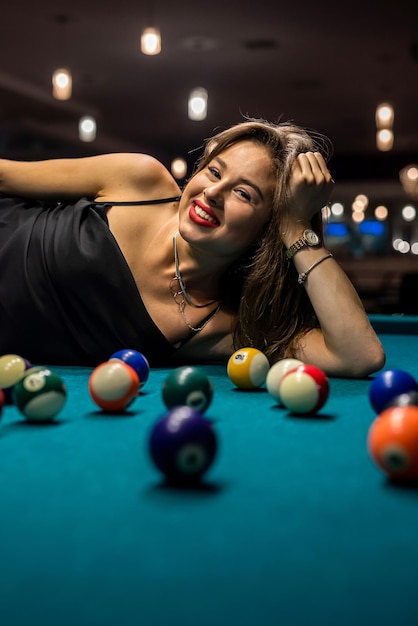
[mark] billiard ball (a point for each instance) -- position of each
(388, 384)
(304, 389)
(247, 368)
(409, 398)
(392, 442)
(276, 373)
(12, 368)
(183, 444)
(136, 360)
(187, 386)
(113, 386)
(39, 394)
(2, 400)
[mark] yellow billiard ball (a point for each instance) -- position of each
(247, 368)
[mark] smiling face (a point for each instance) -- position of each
(228, 202)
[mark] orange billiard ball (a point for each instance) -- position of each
(392, 442)
(113, 385)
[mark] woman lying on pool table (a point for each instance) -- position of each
(106, 252)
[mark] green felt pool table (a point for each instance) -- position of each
(293, 525)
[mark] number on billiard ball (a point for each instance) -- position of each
(304, 390)
(389, 384)
(183, 444)
(136, 360)
(247, 368)
(392, 442)
(187, 386)
(40, 394)
(113, 386)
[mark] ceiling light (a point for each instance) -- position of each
(409, 180)
(384, 116)
(151, 41)
(384, 139)
(87, 128)
(62, 84)
(198, 104)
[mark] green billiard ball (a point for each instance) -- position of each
(187, 386)
(40, 394)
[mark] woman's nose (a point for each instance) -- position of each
(213, 195)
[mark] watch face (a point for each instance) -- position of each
(311, 237)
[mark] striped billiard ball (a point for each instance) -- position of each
(304, 390)
(39, 394)
(113, 386)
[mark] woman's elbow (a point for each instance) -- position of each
(371, 361)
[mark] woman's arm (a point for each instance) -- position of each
(346, 344)
(95, 176)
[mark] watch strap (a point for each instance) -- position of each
(295, 247)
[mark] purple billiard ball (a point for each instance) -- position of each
(183, 444)
(389, 384)
(136, 360)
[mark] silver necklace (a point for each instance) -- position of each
(181, 297)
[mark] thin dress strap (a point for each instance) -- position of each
(140, 202)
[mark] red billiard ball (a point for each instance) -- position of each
(136, 360)
(183, 444)
(247, 368)
(392, 442)
(304, 390)
(113, 385)
(388, 384)
(2, 400)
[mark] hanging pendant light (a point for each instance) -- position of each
(62, 84)
(151, 41)
(87, 128)
(198, 104)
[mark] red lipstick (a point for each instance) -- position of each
(202, 221)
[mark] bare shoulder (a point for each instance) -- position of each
(134, 174)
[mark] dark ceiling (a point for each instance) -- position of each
(323, 64)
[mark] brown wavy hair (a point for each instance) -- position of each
(273, 310)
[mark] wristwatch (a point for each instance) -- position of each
(309, 238)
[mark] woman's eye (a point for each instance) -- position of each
(244, 194)
(214, 172)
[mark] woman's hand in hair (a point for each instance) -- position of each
(310, 187)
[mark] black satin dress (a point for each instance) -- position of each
(67, 295)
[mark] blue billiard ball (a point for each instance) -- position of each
(389, 384)
(183, 444)
(136, 360)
